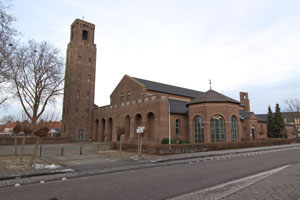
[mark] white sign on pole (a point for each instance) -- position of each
(140, 129)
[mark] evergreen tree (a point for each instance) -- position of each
(270, 124)
(278, 122)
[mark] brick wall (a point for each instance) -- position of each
(163, 149)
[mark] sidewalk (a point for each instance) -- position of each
(283, 185)
(92, 162)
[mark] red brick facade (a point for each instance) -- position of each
(78, 103)
(160, 108)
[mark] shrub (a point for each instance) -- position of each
(175, 141)
(165, 141)
(185, 141)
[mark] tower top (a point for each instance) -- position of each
(82, 21)
(82, 32)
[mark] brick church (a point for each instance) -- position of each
(161, 109)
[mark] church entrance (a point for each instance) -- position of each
(253, 132)
(80, 134)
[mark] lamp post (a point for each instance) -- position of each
(169, 127)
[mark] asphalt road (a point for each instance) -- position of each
(155, 183)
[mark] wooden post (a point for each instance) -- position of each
(98, 148)
(62, 151)
(23, 144)
(105, 138)
(41, 148)
(121, 140)
(16, 153)
(80, 150)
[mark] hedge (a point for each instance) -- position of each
(163, 149)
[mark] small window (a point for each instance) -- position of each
(84, 35)
(78, 94)
(87, 112)
(90, 61)
(89, 77)
(88, 95)
(76, 112)
(79, 59)
(177, 126)
(122, 97)
(128, 96)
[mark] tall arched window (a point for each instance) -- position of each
(217, 129)
(84, 35)
(198, 129)
(177, 125)
(233, 129)
(128, 95)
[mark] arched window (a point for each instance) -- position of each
(84, 35)
(233, 129)
(177, 125)
(122, 97)
(128, 96)
(198, 129)
(217, 129)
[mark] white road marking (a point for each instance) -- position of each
(220, 191)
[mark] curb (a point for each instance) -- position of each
(43, 173)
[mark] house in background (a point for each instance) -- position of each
(7, 128)
(54, 126)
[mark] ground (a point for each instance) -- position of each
(15, 163)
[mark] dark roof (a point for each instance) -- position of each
(262, 117)
(178, 107)
(169, 89)
(244, 114)
(289, 116)
(212, 96)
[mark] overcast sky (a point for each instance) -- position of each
(241, 45)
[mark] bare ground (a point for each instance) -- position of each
(15, 163)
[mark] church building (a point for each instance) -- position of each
(161, 109)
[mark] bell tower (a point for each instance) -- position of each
(244, 99)
(78, 102)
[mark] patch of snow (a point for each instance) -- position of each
(135, 158)
(40, 166)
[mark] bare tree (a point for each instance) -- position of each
(293, 105)
(38, 74)
(7, 48)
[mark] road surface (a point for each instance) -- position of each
(163, 182)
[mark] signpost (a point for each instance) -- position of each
(140, 131)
